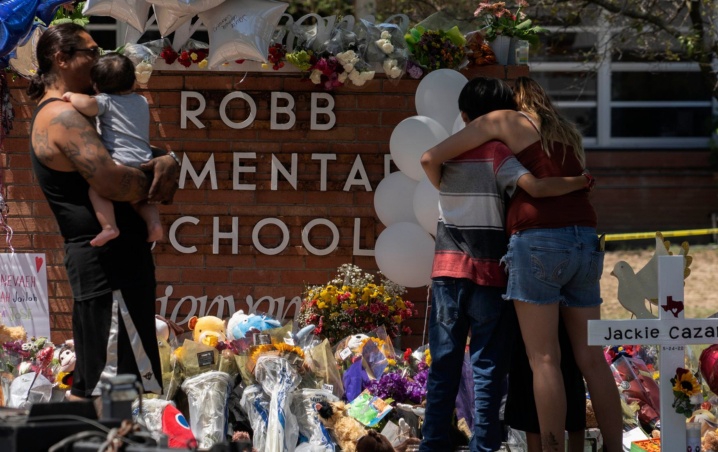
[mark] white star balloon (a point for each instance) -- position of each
(241, 29)
(133, 12)
(187, 6)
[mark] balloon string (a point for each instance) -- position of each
(426, 314)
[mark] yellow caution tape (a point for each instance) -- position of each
(651, 235)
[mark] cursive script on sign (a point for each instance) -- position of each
(223, 307)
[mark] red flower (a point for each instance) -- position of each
(169, 55)
(374, 308)
(185, 59)
(407, 354)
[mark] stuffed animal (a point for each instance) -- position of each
(66, 366)
(12, 333)
(345, 430)
(240, 324)
(208, 330)
(709, 443)
(167, 330)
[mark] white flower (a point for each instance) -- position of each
(24, 368)
(316, 76)
(348, 67)
(143, 71)
(385, 44)
(360, 78)
(342, 77)
(391, 68)
(385, 35)
(348, 57)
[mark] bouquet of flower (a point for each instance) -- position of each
(400, 387)
(499, 20)
(436, 49)
(352, 303)
(687, 392)
(35, 355)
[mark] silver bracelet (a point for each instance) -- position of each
(174, 156)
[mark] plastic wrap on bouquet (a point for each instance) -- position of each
(303, 407)
(150, 416)
(168, 365)
(255, 402)
(322, 364)
(636, 383)
(278, 379)
(29, 388)
(197, 358)
(207, 394)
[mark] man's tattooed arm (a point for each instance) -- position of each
(79, 142)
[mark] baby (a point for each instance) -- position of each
(124, 119)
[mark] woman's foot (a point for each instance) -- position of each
(105, 236)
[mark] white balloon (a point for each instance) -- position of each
(184, 7)
(132, 12)
(459, 124)
(437, 96)
(169, 20)
(426, 205)
(404, 253)
(390, 199)
(25, 60)
(241, 29)
(411, 138)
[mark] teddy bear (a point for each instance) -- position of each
(12, 333)
(240, 324)
(709, 443)
(345, 430)
(208, 330)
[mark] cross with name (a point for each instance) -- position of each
(672, 332)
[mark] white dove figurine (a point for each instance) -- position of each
(635, 288)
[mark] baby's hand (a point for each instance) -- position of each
(66, 97)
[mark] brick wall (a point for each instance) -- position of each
(637, 191)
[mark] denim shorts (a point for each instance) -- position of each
(561, 265)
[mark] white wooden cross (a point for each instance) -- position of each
(672, 332)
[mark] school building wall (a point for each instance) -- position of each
(637, 191)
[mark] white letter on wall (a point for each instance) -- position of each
(308, 228)
(323, 168)
(250, 103)
(192, 115)
(357, 251)
(287, 110)
(285, 236)
(277, 167)
(328, 110)
(209, 168)
(233, 235)
(363, 179)
(243, 169)
(173, 234)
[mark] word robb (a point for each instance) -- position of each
(275, 110)
(357, 175)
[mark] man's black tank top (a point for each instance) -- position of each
(123, 262)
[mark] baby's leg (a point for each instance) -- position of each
(105, 213)
(151, 215)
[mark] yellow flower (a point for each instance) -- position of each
(427, 357)
(333, 315)
(687, 384)
(193, 56)
(265, 66)
(396, 319)
(354, 305)
(203, 64)
(391, 362)
(345, 288)
(345, 306)
(322, 305)
(400, 304)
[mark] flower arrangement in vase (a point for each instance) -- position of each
(502, 28)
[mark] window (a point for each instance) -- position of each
(618, 97)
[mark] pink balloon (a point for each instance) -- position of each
(241, 29)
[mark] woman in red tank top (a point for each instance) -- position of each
(554, 258)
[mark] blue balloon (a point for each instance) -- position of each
(16, 18)
(47, 8)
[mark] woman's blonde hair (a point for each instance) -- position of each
(532, 98)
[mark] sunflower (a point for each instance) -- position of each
(685, 382)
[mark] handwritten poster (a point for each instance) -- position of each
(23, 293)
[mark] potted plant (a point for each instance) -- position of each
(503, 29)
